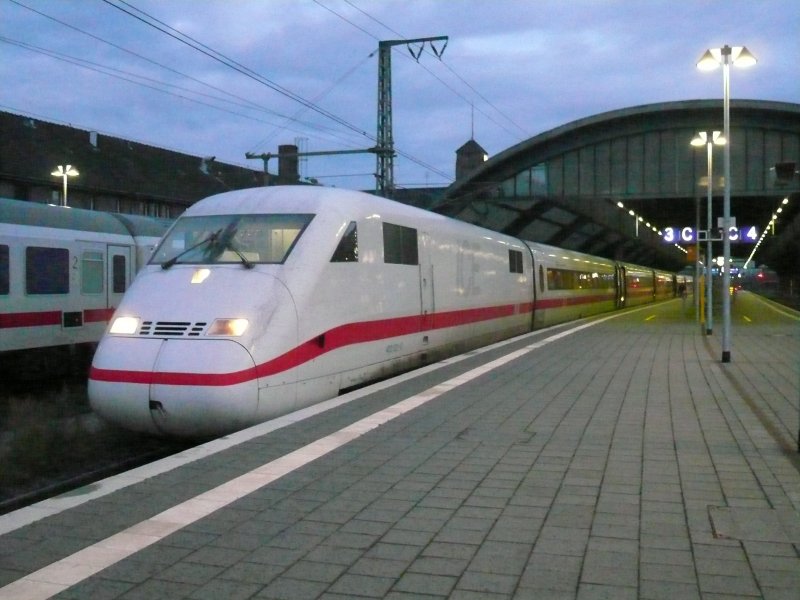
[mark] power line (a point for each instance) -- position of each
(153, 84)
(219, 57)
(242, 102)
(229, 62)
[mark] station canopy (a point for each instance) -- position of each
(611, 184)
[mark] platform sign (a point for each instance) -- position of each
(680, 235)
(688, 235)
(746, 235)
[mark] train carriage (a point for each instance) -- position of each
(637, 284)
(571, 285)
(62, 273)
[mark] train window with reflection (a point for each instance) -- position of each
(400, 245)
(347, 250)
(92, 271)
(567, 279)
(46, 270)
(119, 269)
(4, 270)
(231, 239)
(515, 261)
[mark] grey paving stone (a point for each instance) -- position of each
(362, 585)
(155, 588)
(224, 590)
(418, 583)
(96, 589)
(249, 572)
(284, 588)
(486, 583)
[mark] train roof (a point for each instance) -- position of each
(20, 212)
(304, 198)
(350, 204)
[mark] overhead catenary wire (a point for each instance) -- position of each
(155, 85)
(230, 63)
(183, 38)
(132, 77)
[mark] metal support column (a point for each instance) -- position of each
(384, 176)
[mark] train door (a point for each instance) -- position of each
(118, 267)
(621, 285)
(427, 303)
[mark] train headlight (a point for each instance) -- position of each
(228, 327)
(124, 325)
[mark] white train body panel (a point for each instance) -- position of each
(330, 289)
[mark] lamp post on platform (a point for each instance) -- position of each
(65, 173)
(709, 139)
(714, 57)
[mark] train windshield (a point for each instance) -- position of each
(234, 239)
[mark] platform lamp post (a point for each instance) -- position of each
(65, 173)
(709, 139)
(714, 57)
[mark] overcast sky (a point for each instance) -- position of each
(269, 72)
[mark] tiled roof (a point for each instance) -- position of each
(31, 149)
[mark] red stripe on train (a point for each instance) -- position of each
(30, 319)
(51, 317)
(338, 337)
(97, 315)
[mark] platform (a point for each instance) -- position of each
(612, 458)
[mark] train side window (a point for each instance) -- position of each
(541, 278)
(46, 270)
(347, 250)
(4, 270)
(92, 271)
(400, 245)
(515, 261)
(119, 269)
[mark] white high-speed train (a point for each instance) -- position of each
(63, 271)
(258, 302)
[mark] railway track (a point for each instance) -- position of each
(51, 443)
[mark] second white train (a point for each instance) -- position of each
(262, 301)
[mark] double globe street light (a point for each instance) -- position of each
(714, 57)
(709, 139)
(65, 173)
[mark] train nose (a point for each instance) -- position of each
(185, 388)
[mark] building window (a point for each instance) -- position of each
(347, 250)
(46, 270)
(539, 179)
(399, 245)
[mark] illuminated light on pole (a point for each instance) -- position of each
(65, 173)
(711, 59)
(709, 140)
